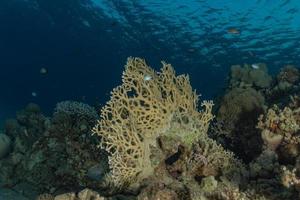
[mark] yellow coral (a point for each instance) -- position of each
(145, 106)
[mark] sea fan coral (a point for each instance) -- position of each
(148, 104)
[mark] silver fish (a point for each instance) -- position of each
(255, 66)
(147, 77)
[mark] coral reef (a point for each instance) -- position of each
(274, 122)
(152, 141)
(62, 149)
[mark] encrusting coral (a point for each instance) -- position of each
(147, 105)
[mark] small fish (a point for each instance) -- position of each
(86, 23)
(147, 77)
(233, 31)
(34, 94)
(255, 66)
(43, 70)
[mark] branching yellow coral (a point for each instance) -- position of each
(145, 106)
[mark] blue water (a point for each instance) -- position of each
(84, 44)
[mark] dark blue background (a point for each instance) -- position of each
(84, 44)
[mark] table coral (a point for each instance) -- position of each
(148, 104)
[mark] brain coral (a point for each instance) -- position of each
(146, 105)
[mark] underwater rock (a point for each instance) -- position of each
(5, 145)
